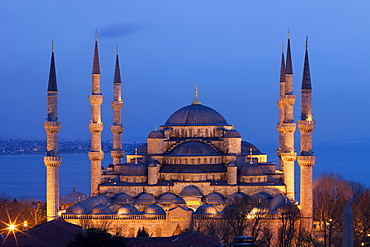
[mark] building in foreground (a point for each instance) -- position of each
(194, 166)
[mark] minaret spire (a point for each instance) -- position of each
(52, 160)
(306, 160)
(306, 80)
(117, 128)
(96, 126)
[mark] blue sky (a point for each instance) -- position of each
(231, 49)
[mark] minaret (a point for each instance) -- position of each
(52, 159)
(117, 127)
(306, 160)
(281, 109)
(96, 154)
(287, 128)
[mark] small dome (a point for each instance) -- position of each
(231, 164)
(75, 209)
(145, 198)
(101, 209)
(166, 198)
(178, 201)
(232, 134)
(156, 134)
(206, 209)
(246, 148)
(154, 209)
(134, 169)
(191, 190)
(251, 169)
(193, 148)
(279, 201)
(236, 197)
(123, 198)
(214, 198)
(127, 209)
(196, 114)
(261, 197)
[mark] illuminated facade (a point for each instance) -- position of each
(193, 167)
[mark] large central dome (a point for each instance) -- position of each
(196, 114)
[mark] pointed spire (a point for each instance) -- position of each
(288, 67)
(282, 68)
(96, 67)
(306, 79)
(52, 86)
(117, 73)
(196, 101)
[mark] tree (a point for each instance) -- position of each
(142, 233)
(289, 214)
(361, 213)
(330, 194)
(95, 237)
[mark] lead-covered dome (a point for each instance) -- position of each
(196, 114)
(193, 148)
(206, 209)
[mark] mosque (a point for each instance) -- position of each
(191, 168)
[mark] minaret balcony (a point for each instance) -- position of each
(117, 129)
(288, 99)
(286, 127)
(52, 126)
(118, 154)
(96, 99)
(96, 127)
(288, 156)
(117, 104)
(97, 155)
(280, 104)
(306, 161)
(52, 161)
(306, 126)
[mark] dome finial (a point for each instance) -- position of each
(251, 153)
(135, 155)
(155, 127)
(196, 101)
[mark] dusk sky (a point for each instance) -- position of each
(232, 49)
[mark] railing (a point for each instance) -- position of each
(114, 216)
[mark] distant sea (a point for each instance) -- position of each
(24, 175)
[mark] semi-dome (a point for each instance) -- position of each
(101, 209)
(193, 148)
(247, 146)
(145, 198)
(191, 190)
(166, 198)
(251, 169)
(206, 209)
(214, 198)
(75, 209)
(232, 134)
(192, 169)
(135, 169)
(156, 134)
(196, 114)
(154, 209)
(127, 209)
(178, 201)
(123, 198)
